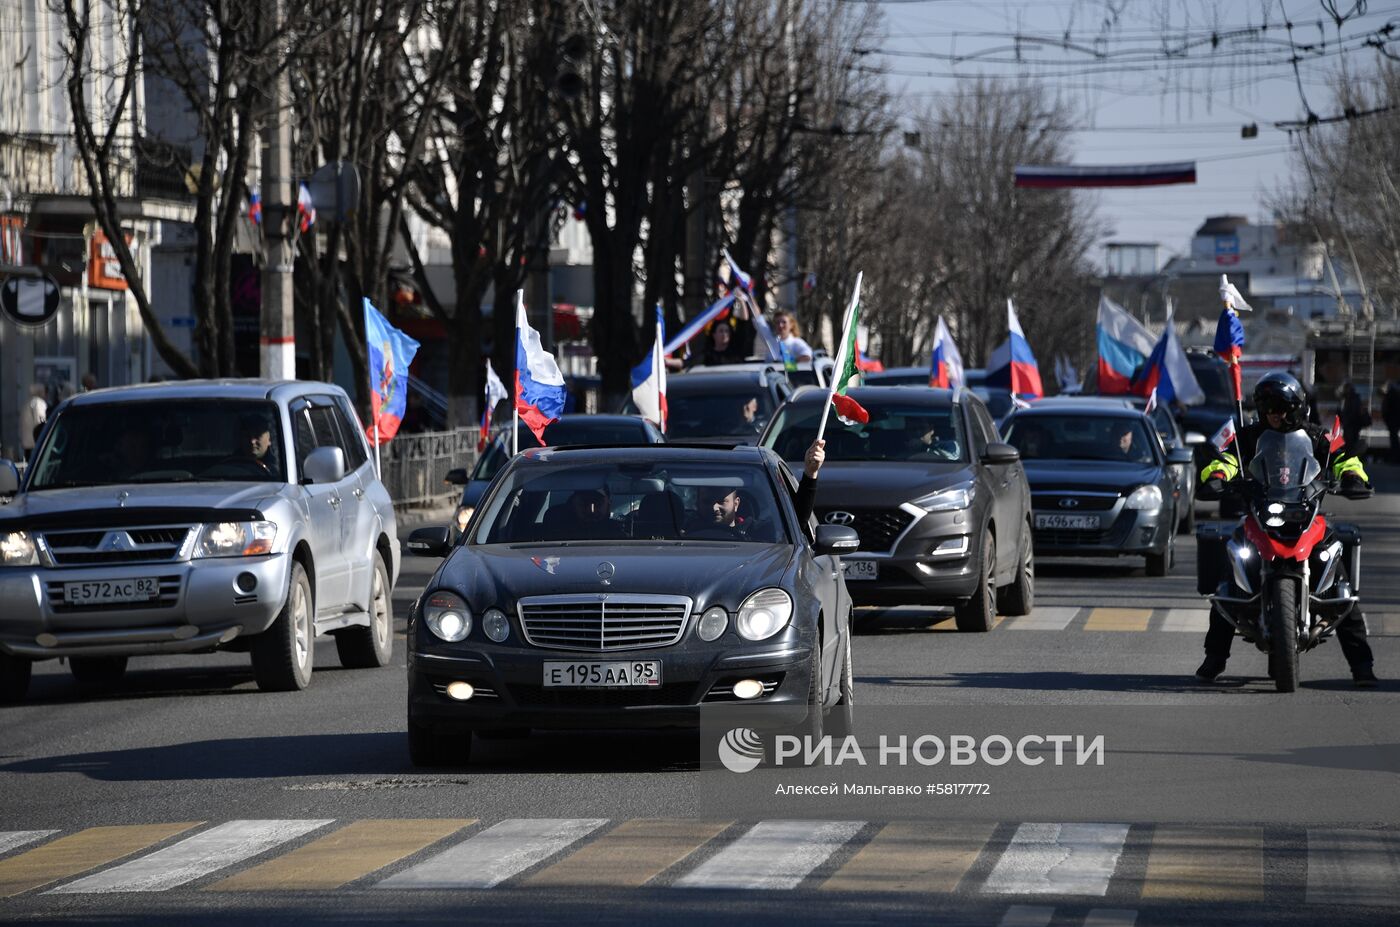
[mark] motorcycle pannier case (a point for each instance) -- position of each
(1350, 536)
(1211, 566)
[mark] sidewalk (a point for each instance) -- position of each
(411, 519)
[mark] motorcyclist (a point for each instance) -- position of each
(1282, 406)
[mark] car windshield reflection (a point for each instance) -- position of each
(894, 433)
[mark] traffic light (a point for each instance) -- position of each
(568, 81)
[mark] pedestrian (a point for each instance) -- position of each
(790, 338)
(721, 349)
(1390, 414)
(1354, 416)
(32, 418)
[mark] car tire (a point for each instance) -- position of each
(430, 748)
(283, 654)
(372, 646)
(841, 718)
(979, 612)
(1019, 597)
(97, 672)
(14, 678)
(1160, 564)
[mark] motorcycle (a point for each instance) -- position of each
(1293, 577)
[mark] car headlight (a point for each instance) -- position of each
(950, 499)
(17, 549)
(447, 616)
(712, 623)
(464, 515)
(495, 624)
(764, 614)
(235, 539)
(1145, 499)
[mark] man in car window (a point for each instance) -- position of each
(720, 509)
(748, 415)
(255, 441)
(1124, 440)
(587, 516)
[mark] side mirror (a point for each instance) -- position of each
(998, 453)
(836, 539)
(1192, 438)
(457, 476)
(1180, 455)
(324, 465)
(9, 478)
(430, 542)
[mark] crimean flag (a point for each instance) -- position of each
(539, 384)
(390, 352)
(946, 366)
(846, 369)
(495, 392)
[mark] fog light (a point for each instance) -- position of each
(952, 547)
(748, 688)
(459, 690)
(246, 583)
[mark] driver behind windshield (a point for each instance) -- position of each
(1282, 407)
(255, 440)
(1126, 444)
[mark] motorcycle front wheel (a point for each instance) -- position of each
(1281, 616)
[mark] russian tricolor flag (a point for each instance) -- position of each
(1012, 364)
(1168, 372)
(718, 310)
(1124, 346)
(649, 378)
(946, 367)
(539, 385)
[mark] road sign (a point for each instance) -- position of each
(30, 301)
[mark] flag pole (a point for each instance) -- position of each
(840, 367)
(514, 405)
(378, 465)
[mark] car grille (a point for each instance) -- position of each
(878, 528)
(169, 595)
(531, 696)
(603, 621)
(1051, 502)
(1065, 537)
(116, 546)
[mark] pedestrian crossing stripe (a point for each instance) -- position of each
(1194, 619)
(1184, 863)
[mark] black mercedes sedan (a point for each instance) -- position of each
(628, 588)
(942, 508)
(1101, 482)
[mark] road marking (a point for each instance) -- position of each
(13, 839)
(1205, 864)
(193, 858)
(1353, 867)
(909, 856)
(1383, 624)
(1118, 619)
(772, 855)
(1110, 917)
(1044, 619)
(1027, 915)
(495, 854)
(79, 853)
(1195, 620)
(350, 853)
(949, 623)
(632, 854)
(1058, 859)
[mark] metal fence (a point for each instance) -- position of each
(413, 466)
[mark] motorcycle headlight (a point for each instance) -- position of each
(447, 616)
(235, 539)
(764, 614)
(17, 549)
(1145, 499)
(950, 499)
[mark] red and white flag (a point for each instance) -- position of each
(1222, 438)
(1335, 441)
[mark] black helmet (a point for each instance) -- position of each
(1281, 392)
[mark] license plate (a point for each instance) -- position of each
(1073, 522)
(111, 591)
(860, 569)
(592, 675)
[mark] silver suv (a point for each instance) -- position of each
(195, 516)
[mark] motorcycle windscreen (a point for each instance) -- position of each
(1284, 465)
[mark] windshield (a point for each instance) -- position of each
(1213, 375)
(168, 441)
(701, 412)
(997, 401)
(559, 433)
(634, 502)
(895, 432)
(1117, 439)
(1284, 463)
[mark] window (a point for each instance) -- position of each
(315, 426)
(353, 442)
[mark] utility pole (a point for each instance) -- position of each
(277, 338)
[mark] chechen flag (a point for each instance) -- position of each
(649, 378)
(1012, 364)
(539, 385)
(946, 367)
(847, 409)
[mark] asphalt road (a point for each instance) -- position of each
(188, 795)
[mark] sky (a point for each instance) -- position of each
(1137, 104)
